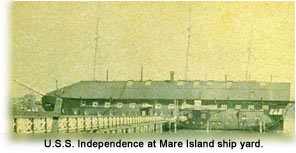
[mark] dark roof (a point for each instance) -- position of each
(175, 90)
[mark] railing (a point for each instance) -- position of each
(67, 124)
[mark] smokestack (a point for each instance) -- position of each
(142, 73)
(57, 87)
(225, 78)
(107, 75)
(172, 73)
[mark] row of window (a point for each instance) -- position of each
(159, 106)
(196, 83)
(131, 105)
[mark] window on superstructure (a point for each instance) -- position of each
(95, 104)
(265, 107)
(83, 103)
(251, 107)
(197, 103)
(107, 104)
(132, 105)
(157, 106)
(171, 106)
(119, 105)
(238, 106)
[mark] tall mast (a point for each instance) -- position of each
(188, 43)
(249, 50)
(96, 49)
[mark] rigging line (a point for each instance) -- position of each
(28, 87)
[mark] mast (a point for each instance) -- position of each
(141, 79)
(107, 75)
(249, 50)
(96, 49)
(248, 63)
(188, 44)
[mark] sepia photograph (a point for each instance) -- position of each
(138, 70)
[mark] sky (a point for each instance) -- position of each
(56, 41)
